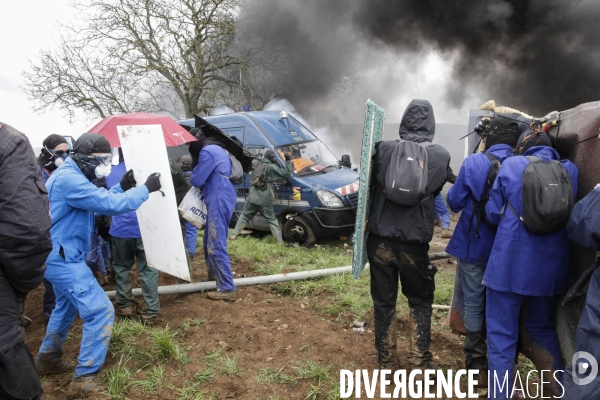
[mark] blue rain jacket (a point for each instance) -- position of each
(584, 228)
(73, 201)
(124, 226)
(212, 176)
(521, 261)
(470, 183)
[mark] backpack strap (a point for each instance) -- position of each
(478, 204)
(511, 209)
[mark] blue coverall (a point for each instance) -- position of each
(212, 176)
(584, 228)
(441, 212)
(49, 297)
(523, 267)
(191, 232)
(473, 252)
(73, 201)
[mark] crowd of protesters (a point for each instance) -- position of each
(504, 263)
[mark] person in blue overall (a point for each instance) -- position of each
(584, 228)
(73, 201)
(54, 152)
(211, 174)
(523, 268)
(442, 216)
(472, 241)
(191, 232)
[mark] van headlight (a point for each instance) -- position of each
(329, 199)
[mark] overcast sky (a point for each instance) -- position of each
(31, 25)
(27, 27)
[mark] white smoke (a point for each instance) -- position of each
(222, 110)
(322, 132)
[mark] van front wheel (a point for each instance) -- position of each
(298, 230)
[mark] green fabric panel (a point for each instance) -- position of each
(373, 133)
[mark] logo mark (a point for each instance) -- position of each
(584, 363)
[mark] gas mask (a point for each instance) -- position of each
(102, 170)
(52, 159)
(94, 167)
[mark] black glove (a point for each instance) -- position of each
(128, 181)
(288, 156)
(153, 182)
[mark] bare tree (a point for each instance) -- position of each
(139, 55)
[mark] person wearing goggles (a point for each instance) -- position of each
(54, 152)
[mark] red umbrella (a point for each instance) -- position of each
(174, 134)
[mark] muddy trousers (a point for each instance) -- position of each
(18, 376)
(215, 247)
(78, 292)
(250, 210)
(502, 320)
(125, 253)
(391, 261)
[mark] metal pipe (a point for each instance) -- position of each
(260, 280)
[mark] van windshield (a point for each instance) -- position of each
(310, 157)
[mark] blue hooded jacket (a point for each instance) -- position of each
(471, 183)
(521, 261)
(73, 201)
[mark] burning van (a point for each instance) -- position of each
(320, 197)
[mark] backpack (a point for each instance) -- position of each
(547, 196)
(405, 181)
(237, 172)
(479, 209)
(258, 175)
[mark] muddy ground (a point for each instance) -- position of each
(262, 328)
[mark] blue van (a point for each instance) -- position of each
(321, 196)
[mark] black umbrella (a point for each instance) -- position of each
(230, 143)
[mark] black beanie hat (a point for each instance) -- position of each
(89, 143)
(529, 139)
(53, 140)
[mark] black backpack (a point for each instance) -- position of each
(258, 175)
(547, 196)
(479, 208)
(406, 176)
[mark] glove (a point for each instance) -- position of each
(128, 181)
(153, 182)
(288, 156)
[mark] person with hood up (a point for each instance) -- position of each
(24, 245)
(260, 199)
(212, 169)
(524, 268)
(398, 244)
(55, 151)
(473, 238)
(73, 201)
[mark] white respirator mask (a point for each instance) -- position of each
(102, 170)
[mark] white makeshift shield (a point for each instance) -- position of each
(145, 151)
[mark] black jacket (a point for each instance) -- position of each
(412, 225)
(24, 217)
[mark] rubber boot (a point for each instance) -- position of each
(475, 349)
(419, 356)
(387, 357)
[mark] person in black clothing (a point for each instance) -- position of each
(398, 244)
(24, 245)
